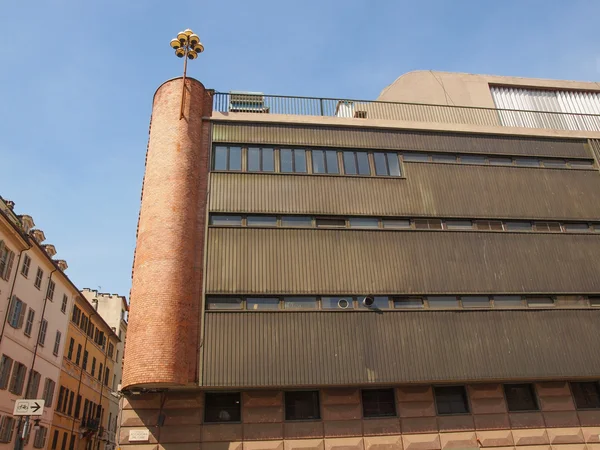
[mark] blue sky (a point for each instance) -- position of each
(77, 79)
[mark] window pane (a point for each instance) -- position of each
(520, 397)
(574, 227)
(253, 303)
(302, 405)
(396, 223)
(498, 161)
(261, 221)
(428, 224)
(332, 161)
(408, 303)
(444, 158)
(285, 156)
(393, 164)
(326, 222)
(364, 222)
(540, 302)
(379, 303)
(363, 163)
(476, 301)
(300, 161)
(529, 162)
(349, 163)
(517, 226)
(451, 400)
(378, 403)
(459, 224)
(581, 164)
(508, 301)
(235, 158)
(222, 407)
(555, 163)
(253, 159)
(472, 159)
(380, 164)
(296, 221)
(268, 160)
(547, 226)
(226, 220)
(318, 159)
(442, 302)
(223, 303)
(594, 301)
(586, 394)
(300, 302)
(415, 157)
(220, 158)
(337, 303)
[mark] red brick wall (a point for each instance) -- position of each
(162, 338)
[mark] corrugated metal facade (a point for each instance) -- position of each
(279, 261)
(582, 108)
(429, 190)
(395, 139)
(351, 348)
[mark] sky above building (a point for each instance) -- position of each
(77, 80)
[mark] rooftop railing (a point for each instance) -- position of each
(258, 103)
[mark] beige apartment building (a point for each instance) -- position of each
(36, 298)
(416, 272)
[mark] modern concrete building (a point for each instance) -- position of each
(113, 309)
(36, 297)
(419, 272)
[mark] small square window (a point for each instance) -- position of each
(337, 303)
(527, 162)
(223, 303)
(415, 157)
(261, 159)
(378, 403)
(325, 222)
(396, 223)
(540, 302)
(500, 161)
(300, 303)
(442, 302)
(261, 221)
(292, 160)
(517, 226)
(489, 225)
(520, 397)
(296, 221)
(408, 303)
(581, 164)
(459, 224)
(228, 158)
(222, 407)
(555, 163)
(302, 405)
(325, 161)
(476, 301)
(379, 303)
(548, 226)
(508, 301)
(386, 164)
(428, 224)
(451, 400)
(473, 159)
(444, 158)
(226, 220)
(576, 227)
(262, 303)
(586, 394)
(364, 222)
(356, 163)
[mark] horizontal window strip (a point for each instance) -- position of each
(354, 302)
(361, 162)
(400, 223)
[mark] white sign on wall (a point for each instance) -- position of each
(29, 407)
(139, 435)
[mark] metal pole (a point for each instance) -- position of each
(185, 57)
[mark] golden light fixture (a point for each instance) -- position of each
(187, 45)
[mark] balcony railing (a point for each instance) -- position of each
(258, 103)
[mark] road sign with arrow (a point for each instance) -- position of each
(28, 408)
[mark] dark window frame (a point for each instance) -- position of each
(210, 397)
(295, 417)
(437, 390)
(514, 404)
(377, 403)
(595, 396)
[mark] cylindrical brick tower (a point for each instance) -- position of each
(163, 320)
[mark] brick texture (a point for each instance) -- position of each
(162, 340)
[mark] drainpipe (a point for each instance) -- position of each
(12, 288)
(19, 439)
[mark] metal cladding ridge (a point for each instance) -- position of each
(163, 320)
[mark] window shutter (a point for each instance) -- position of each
(13, 379)
(22, 315)
(9, 264)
